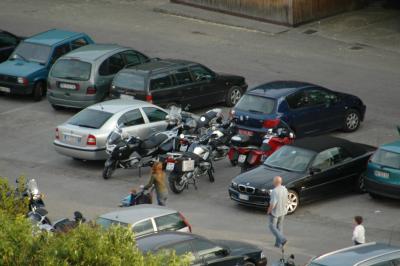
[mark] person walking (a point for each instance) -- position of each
(277, 210)
(359, 231)
(158, 180)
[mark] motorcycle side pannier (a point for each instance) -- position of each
(185, 166)
(240, 140)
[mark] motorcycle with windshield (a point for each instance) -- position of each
(32, 192)
(127, 151)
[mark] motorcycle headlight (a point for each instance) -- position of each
(37, 196)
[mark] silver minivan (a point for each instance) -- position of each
(83, 77)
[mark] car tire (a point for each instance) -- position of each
(56, 107)
(38, 91)
(233, 96)
(293, 201)
(248, 263)
(352, 120)
(375, 196)
(233, 162)
(359, 184)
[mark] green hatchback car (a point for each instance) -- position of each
(383, 171)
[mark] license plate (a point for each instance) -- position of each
(242, 158)
(170, 166)
(4, 89)
(246, 132)
(72, 139)
(183, 148)
(243, 197)
(67, 86)
(382, 174)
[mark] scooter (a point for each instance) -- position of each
(38, 217)
(136, 198)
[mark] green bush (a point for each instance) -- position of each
(23, 244)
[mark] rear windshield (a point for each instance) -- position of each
(90, 118)
(386, 158)
(256, 104)
(107, 223)
(170, 222)
(71, 69)
(129, 81)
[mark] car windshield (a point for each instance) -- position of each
(71, 69)
(32, 52)
(90, 118)
(107, 223)
(386, 158)
(129, 81)
(290, 158)
(256, 104)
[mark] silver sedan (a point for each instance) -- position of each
(84, 135)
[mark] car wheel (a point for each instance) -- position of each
(38, 91)
(359, 185)
(248, 263)
(352, 120)
(293, 201)
(233, 96)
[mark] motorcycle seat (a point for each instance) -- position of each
(153, 141)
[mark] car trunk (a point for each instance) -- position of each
(385, 167)
(130, 84)
(76, 136)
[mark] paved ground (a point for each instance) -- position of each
(373, 73)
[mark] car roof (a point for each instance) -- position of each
(117, 105)
(52, 37)
(392, 146)
(92, 52)
(277, 89)
(155, 241)
(355, 254)
(159, 65)
(321, 143)
(137, 213)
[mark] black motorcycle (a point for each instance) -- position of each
(33, 194)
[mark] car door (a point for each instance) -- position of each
(185, 86)
(133, 58)
(134, 124)
(8, 42)
(144, 227)
(163, 89)
(107, 70)
(156, 119)
(208, 91)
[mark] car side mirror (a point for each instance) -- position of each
(314, 170)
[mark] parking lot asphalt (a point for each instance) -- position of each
(27, 128)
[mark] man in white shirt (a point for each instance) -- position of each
(359, 231)
(277, 210)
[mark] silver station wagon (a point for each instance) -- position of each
(84, 135)
(146, 219)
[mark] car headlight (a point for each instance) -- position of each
(262, 255)
(234, 185)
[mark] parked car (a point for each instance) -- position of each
(84, 135)
(307, 108)
(83, 77)
(371, 254)
(204, 251)
(178, 82)
(8, 42)
(383, 172)
(311, 168)
(146, 219)
(26, 70)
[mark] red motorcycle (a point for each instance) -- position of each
(249, 156)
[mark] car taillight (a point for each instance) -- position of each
(91, 140)
(91, 90)
(149, 98)
(231, 113)
(57, 134)
(186, 222)
(271, 123)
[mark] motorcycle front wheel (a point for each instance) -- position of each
(175, 182)
(108, 171)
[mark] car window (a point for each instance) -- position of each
(295, 100)
(384, 263)
(160, 82)
(154, 114)
(290, 158)
(7, 40)
(115, 64)
(131, 118)
(329, 158)
(142, 228)
(182, 76)
(205, 249)
(60, 51)
(142, 57)
(321, 96)
(256, 104)
(396, 262)
(90, 118)
(170, 222)
(129, 81)
(71, 69)
(107, 223)
(201, 73)
(131, 58)
(386, 158)
(75, 44)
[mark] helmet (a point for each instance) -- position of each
(124, 135)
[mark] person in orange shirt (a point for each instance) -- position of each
(157, 180)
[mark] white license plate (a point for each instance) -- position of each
(170, 166)
(382, 174)
(183, 148)
(67, 86)
(72, 139)
(242, 158)
(4, 89)
(243, 197)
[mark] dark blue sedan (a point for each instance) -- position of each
(307, 108)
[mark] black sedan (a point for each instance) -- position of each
(8, 42)
(311, 168)
(204, 251)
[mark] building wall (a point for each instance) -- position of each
(287, 12)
